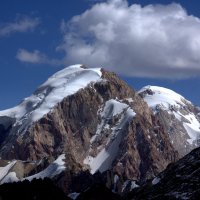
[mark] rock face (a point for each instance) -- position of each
(178, 116)
(96, 120)
(181, 180)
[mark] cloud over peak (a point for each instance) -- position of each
(35, 57)
(21, 25)
(151, 41)
(31, 57)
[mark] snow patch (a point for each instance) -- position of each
(5, 170)
(156, 180)
(193, 134)
(130, 100)
(192, 125)
(125, 185)
(10, 178)
(113, 108)
(73, 195)
(51, 171)
(134, 185)
(116, 178)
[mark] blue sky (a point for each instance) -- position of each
(38, 38)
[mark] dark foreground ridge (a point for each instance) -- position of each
(181, 180)
(35, 190)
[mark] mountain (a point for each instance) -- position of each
(179, 117)
(86, 126)
(92, 117)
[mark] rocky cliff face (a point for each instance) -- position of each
(101, 124)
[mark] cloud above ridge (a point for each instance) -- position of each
(35, 57)
(158, 41)
(21, 25)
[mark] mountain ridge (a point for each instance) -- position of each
(98, 123)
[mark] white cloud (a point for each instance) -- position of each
(35, 57)
(95, 1)
(19, 25)
(151, 41)
(31, 57)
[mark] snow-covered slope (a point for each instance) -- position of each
(7, 175)
(5, 170)
(184, 118)
(52, 170)
(109, 150)
(10, 178)
(62, 84)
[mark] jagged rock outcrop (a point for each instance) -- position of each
(103, 125)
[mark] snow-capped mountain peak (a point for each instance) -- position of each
(184, 120)
(62, 84)
(165, 98)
